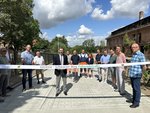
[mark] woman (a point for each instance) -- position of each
(90, 61)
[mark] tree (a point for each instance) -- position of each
(102, 43)
(17, 24)
(127, 41)
(88, 43)
(58, 42)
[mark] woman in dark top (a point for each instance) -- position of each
(90, 61)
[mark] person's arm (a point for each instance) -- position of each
(22, 58)
(142, 59)
(43, 61)
(124, 58)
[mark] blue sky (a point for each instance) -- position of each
(84, 19)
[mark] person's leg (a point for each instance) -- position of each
(8, 78)
(37, 75)
(42, 76)
(64, 84)
(4, 88)
(137, 91)
(30, 77)
(24, 73)
(2, 79)
(122, 83)
(58, 78)
(117, 79)
(103, 74)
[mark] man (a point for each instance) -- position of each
(112, 70)
(60, 59)
(121, 58)
(75, 61)
(105, 60)
(135, 73)
(3, 74)
(27, 58)
(39, 60)
(83, 58)
(97, 58)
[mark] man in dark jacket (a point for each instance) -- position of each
(60, 59)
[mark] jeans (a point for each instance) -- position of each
(135, 83)
(25, 72)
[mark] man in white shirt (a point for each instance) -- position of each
(39, 60)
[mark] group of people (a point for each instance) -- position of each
(117, 73)
(111, 57)
(27, 58)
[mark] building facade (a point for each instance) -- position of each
(138, 31)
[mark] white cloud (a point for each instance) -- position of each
(52, 12)
(79, 39)
(84, 30)
(121, 8)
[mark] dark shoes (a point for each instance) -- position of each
(134, 106)
(1, 100)
(42, 82)
(24, 89)
(57, 94)
(38, 82)
(10, 88)
(129, 101)
(65, 93)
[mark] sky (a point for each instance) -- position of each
(79, 20)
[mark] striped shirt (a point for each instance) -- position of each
(136, 70)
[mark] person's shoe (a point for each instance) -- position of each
(122, 94)
(57, 94)
(65, 93)
(1, 100)
(134, 106)
(31, 87)
(43, 82)
(38, 82)
(24, 89)
(129, 101)
(10, 88)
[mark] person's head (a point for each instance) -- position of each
(98, 51)
(3, 51)
(67, 52)
(74, 52)
(83, 51)
(90, 55)
(118, 50)
(105, 52)
(61, 51)
(28, 47)
(112, 51)
(38, 53)
(135, 47)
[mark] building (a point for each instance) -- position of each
(138, 31)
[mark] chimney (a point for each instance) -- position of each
(141, 15)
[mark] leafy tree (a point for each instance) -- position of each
(127, 41)
(58, 42)
(17, 24)
(89, 43)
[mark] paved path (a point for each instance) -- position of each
(85, 96)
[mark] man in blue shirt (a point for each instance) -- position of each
(104, 60)
(27, 59)
(135, 73)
